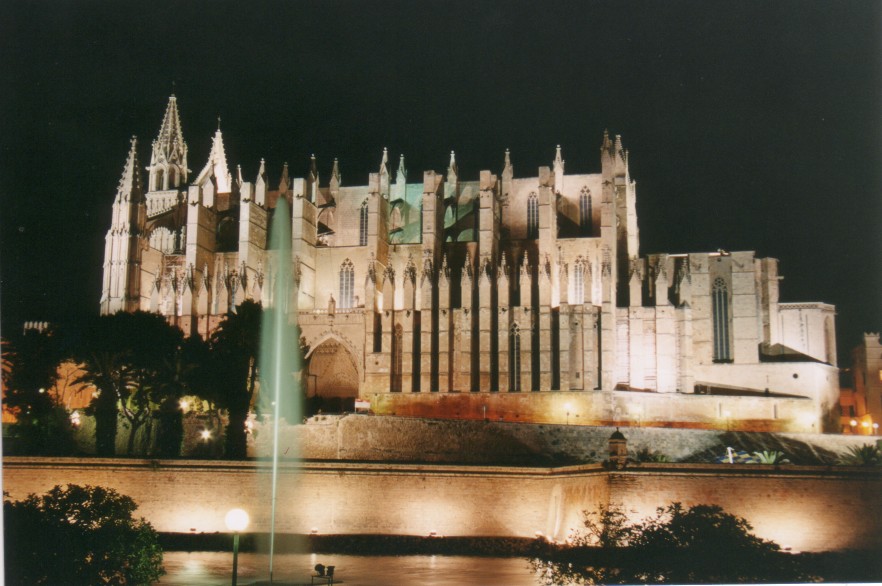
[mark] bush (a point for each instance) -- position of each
(79, 535)
(679, 545)
(865, 455)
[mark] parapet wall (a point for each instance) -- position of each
(806, 508)
(625, 408)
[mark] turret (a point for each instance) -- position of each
(124, 243)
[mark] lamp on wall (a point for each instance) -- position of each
(236, 521)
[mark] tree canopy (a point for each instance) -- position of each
(79, 535)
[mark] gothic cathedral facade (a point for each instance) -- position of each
(447, 285)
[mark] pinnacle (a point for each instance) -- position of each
(129, 188)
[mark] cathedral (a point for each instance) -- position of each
(410, 291)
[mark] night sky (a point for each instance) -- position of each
(750, 125)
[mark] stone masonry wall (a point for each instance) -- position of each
(805, 508)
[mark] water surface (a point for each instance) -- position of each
(214, 569)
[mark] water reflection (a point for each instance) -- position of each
(214, 569)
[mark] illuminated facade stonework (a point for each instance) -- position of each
(501, 285)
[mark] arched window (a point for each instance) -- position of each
(172, 178)
(397, 343)
(514, 359)
(363, 225)
(578, 283)
(347, 284)
(720, 308)
(157, 181)
(532, 216)
(585, 212)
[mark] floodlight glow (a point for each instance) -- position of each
(236, 520)
(206, 434)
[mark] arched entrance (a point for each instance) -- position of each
(331, 378)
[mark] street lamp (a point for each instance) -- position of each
(236, 521)
(853, 424)
(875, 429)
(567, 406)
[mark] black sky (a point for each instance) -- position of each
(751, 125)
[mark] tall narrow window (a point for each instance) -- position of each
(578, 283)
(532, 216)
(347, 284)
(585, 212)
(397, 343)
(720, 307)
(514, 360)
(363, 225)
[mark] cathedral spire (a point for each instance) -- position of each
(170, 135)
(451, 168)
(129, 189)
(312, 181)
(335, 174)
(217, 165)
(260, 184)
(283, 182)
(402, 171)
(168, 162)
(558, 167)
(384, 174)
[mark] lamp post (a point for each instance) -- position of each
(567, 406)
(236, 521)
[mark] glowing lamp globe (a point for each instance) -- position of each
(236, 520)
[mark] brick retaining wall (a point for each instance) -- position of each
(803, 507)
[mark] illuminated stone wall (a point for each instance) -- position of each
(805, 508)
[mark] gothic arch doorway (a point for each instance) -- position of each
(331, 378)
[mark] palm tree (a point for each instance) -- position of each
(235, 346)
(124, 356)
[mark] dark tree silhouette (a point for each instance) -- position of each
(234, 374)
(679, 545)
(79, 535)
(30, 369)
(126, 356)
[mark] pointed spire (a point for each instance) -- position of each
(312, 182)
(384, 174)
(260, 185)
(558, 171)
(170, 142)
(129, 188)
(606, 143)
(402, 171)
(217, 165)
(283, 182)
(239, 175)
(336, 179)
(169, 156)
(451, 168)
(313, 169)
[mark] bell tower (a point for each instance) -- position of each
(125, 241)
